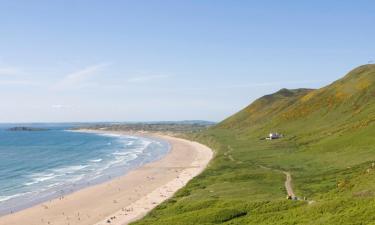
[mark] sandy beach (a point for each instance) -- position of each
(123, 199)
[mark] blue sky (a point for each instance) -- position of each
(92, 60)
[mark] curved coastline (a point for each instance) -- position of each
(89, 170)
(126, 198)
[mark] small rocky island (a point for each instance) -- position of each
(26, 129)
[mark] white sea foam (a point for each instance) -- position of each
(6, 198)
(69, 169)
(40, 177)
(53, 173)
(121, 153)
(76, 178)
(130, 143)
(109, 135)
(95, 160)
(53, 185)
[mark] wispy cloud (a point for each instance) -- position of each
(59, 106)
(13, 76)
(143, 79)
(78, 78)
(19, 83)
(10, 71)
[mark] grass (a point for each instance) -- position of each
(328, 147)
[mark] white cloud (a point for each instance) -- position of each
(142, 79)
(78, 78)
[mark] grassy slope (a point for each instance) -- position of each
(328, 147)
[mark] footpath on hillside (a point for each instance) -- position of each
(288, 178)
(288, 184)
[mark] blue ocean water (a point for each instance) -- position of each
(40, 165)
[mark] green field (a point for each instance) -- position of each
(328, 147)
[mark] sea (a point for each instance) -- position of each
(37, 166)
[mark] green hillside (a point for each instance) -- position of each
(328, 147)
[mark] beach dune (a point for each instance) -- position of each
(123, 199)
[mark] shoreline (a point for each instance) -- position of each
(22, 203)
(126, 198)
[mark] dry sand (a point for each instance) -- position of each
(124, 199)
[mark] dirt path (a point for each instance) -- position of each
(288, 180)
(288, 184)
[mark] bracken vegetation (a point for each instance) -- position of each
(328, 147)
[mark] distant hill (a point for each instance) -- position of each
(26, 129)
(157, 126)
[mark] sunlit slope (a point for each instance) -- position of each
(264, 109)
(345, 105)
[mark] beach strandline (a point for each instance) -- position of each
(126, 198)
